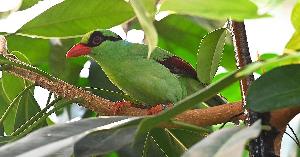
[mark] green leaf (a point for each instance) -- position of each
(27, 108)
(228, 58)
(28, 3)
(167, 142)
(294, 42)
(57, 138)
(9, 80)
(295, 17)
(278, 88)
(181, 36)
(209, 55)
(211, 90)
(226, 142)
(214, 9)
(76, 17)
(104, 141)
(186, 136)
(144, 12)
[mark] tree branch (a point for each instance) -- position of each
(262, 146)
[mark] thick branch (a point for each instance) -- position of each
(262, 146)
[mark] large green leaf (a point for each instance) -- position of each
(104, 141)
(211, 90)
(4, 102)
(228, 59)
(25, 107)
(225, 142)
(232, 93)
(209, 55)
(9, 80)
(180, 35)
(144, 12)
(278, 88)
(76, 17)
(58, 138)
(215, 9)
(167, 142)
(36, 50)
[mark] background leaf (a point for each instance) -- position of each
(208, 9)
(180, 38)
(28, 3)
(144, 12)
(225, 142)
(276, 89)
(51, 139)
(294, 42)
(105, 141)
(36, 50)
(76, 17)
(295, 17)
(232, 93)
(209, 55)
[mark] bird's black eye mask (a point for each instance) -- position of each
(97, 38)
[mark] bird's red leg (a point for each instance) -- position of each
(119, 105)
(158, 108)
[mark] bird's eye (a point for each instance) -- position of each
(96, 40)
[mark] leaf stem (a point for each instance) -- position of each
(35, 117)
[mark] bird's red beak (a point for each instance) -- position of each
(78, 50)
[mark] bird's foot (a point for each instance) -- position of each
(119, 105)
(158, 108)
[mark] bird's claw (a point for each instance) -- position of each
(119, 105)
(158, 108)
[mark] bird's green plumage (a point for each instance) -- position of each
(145, 80)
(127, 66)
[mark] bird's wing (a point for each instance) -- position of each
(143, 79)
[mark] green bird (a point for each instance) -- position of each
(162, 79)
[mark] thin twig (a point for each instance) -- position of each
(296, 137)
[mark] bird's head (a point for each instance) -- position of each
(90, 40)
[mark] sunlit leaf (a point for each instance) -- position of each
(144, 13)
(76, 17)
(215, 9)
(209, 55)
(57, 138)
(181, 36)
